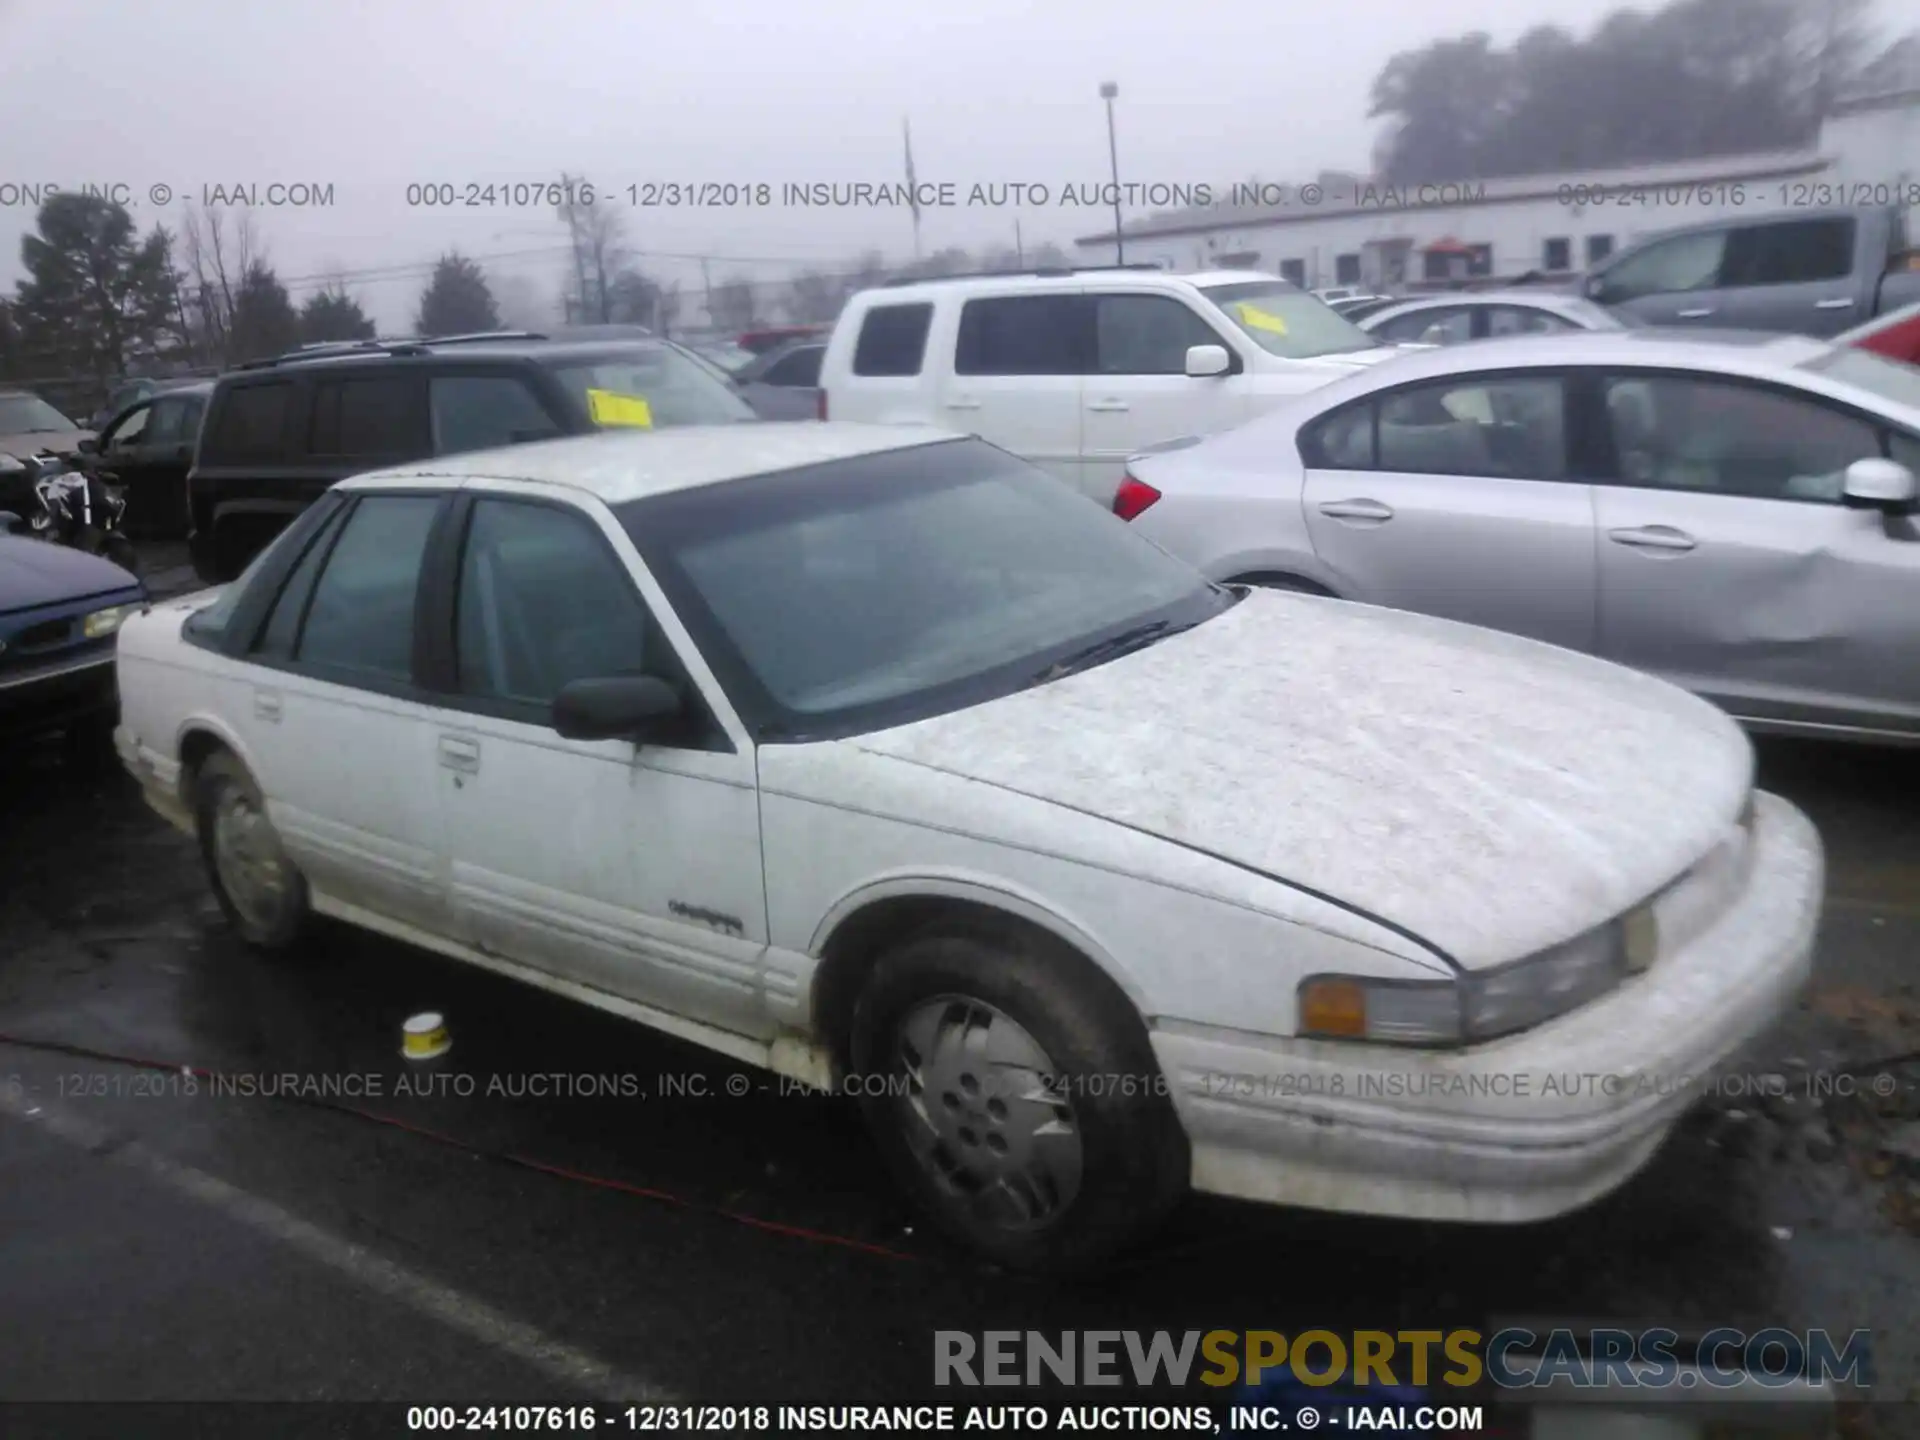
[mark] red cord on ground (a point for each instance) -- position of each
(507, 1157)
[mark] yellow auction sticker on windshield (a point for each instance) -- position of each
(609, 407)
(1254, 318)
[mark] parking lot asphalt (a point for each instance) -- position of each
(567, 1204)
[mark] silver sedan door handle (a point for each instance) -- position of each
(1109, 407)
(1833, 304)
(1653, 537)
(1695, 314)
(1369, 511)
(459, 754)
(964, 402)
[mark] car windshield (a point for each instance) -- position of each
(23, 414)
(1288, 322)
(864, 593)
(1887, 379)
(649, 385)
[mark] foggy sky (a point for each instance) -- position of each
(371, 95)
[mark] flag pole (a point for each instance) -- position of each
(913, 196)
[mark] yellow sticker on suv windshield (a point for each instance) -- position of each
(1254, 318)
(609, 407)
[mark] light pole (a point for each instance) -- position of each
(1108, 92)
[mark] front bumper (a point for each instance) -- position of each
(54, 694)
(1522, 1128)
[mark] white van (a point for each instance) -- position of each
(1078, 370)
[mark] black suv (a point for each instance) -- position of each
(279, 433)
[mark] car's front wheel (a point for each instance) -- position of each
(262, 894)
(1014, 1094)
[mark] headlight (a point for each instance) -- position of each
(1480, 1006)
(105, 622)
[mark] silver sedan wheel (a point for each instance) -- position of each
(247, 854)
(986, 1113)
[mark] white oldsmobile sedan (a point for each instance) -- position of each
(872, 752)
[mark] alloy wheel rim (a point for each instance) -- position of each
(985, 1113)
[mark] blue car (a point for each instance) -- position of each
(59, 611)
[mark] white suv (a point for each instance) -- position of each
(1076, 370)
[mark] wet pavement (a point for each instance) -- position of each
(567, 1203)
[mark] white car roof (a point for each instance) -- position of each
(1735, 351)
(1130, 278)
(1556, 301)
(618, 466)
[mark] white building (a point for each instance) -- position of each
(1349, 230)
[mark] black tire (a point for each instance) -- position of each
(1134, 1162)
(222, 779)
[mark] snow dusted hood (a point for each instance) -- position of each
(1490, 794)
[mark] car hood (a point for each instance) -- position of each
(24, 443)
(34, 572)
(1345, 362)
(1491, 795)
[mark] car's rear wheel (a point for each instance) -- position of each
(262, 894)
(1015, 1096)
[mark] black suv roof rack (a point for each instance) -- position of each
(327, 350)
(1051, 272)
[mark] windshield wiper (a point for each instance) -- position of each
(1136, 637)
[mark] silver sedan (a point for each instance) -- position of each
(1450, 319)
(1736, 513)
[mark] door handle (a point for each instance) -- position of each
(1653, 537)
(964, 403)
(266, 706)
(1833, 304)
(1699, 314)
(459, 754)
(1371, 511)
(1109, 407)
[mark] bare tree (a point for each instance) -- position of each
(218, 259)
(597, 235)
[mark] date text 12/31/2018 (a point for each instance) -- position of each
(938, 1419)
(1737, 195)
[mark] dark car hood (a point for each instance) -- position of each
(35, 442)
(34, 572)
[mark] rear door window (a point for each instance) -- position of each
(369, 417)
(359, 625)
(1789, 252)
(1504, 427)
(893, 340)
(252, 424)
(1023, 335)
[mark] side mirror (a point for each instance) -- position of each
(1877, 484)
(1595, 289)
(89, 445)
(1207, 360)
(620, 707)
